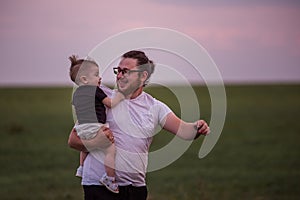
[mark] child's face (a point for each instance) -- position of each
(92, 76)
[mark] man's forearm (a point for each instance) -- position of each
(75, 142)
(185, 130)
(182, 129)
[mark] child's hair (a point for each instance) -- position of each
(77, 67)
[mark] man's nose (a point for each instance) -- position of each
(119, 75)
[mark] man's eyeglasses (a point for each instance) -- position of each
(124, 71)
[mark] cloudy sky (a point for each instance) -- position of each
(250, 41)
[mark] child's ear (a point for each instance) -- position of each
(83, 79)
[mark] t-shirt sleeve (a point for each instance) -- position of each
(107, 90)
(162, 110)
(100, 94)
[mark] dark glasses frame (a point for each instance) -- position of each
(124, 71)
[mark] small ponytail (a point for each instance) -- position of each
(75, 66)
(79, 64)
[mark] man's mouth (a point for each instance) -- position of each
(122, 83)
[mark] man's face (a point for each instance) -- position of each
(128, 82)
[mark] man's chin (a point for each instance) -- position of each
(121, 84)
(121, 89)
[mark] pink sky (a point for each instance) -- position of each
(257, 41)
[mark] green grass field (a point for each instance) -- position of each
(257, 156)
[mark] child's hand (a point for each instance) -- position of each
(120, 95)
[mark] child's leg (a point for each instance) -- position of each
(109, 160)
(79, 170)
(108, 179)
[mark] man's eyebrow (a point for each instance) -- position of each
(122, 68)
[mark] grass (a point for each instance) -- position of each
(256, 157)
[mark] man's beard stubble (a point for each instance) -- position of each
(131, 89)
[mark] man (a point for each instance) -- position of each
(132, 127)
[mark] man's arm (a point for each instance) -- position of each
(75, 142)
(185, 130)
(102, 139)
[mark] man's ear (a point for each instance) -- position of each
(144, 76)
(83, 79)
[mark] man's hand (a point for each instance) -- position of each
(108, 133)
(202, 128)
(102, 140)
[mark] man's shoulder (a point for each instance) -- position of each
(148, 98)
(155, 105)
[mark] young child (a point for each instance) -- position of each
(89, 102)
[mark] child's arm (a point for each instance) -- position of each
(112, 102)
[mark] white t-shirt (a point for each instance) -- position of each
(133, 122)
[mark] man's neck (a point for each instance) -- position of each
(135, 94)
